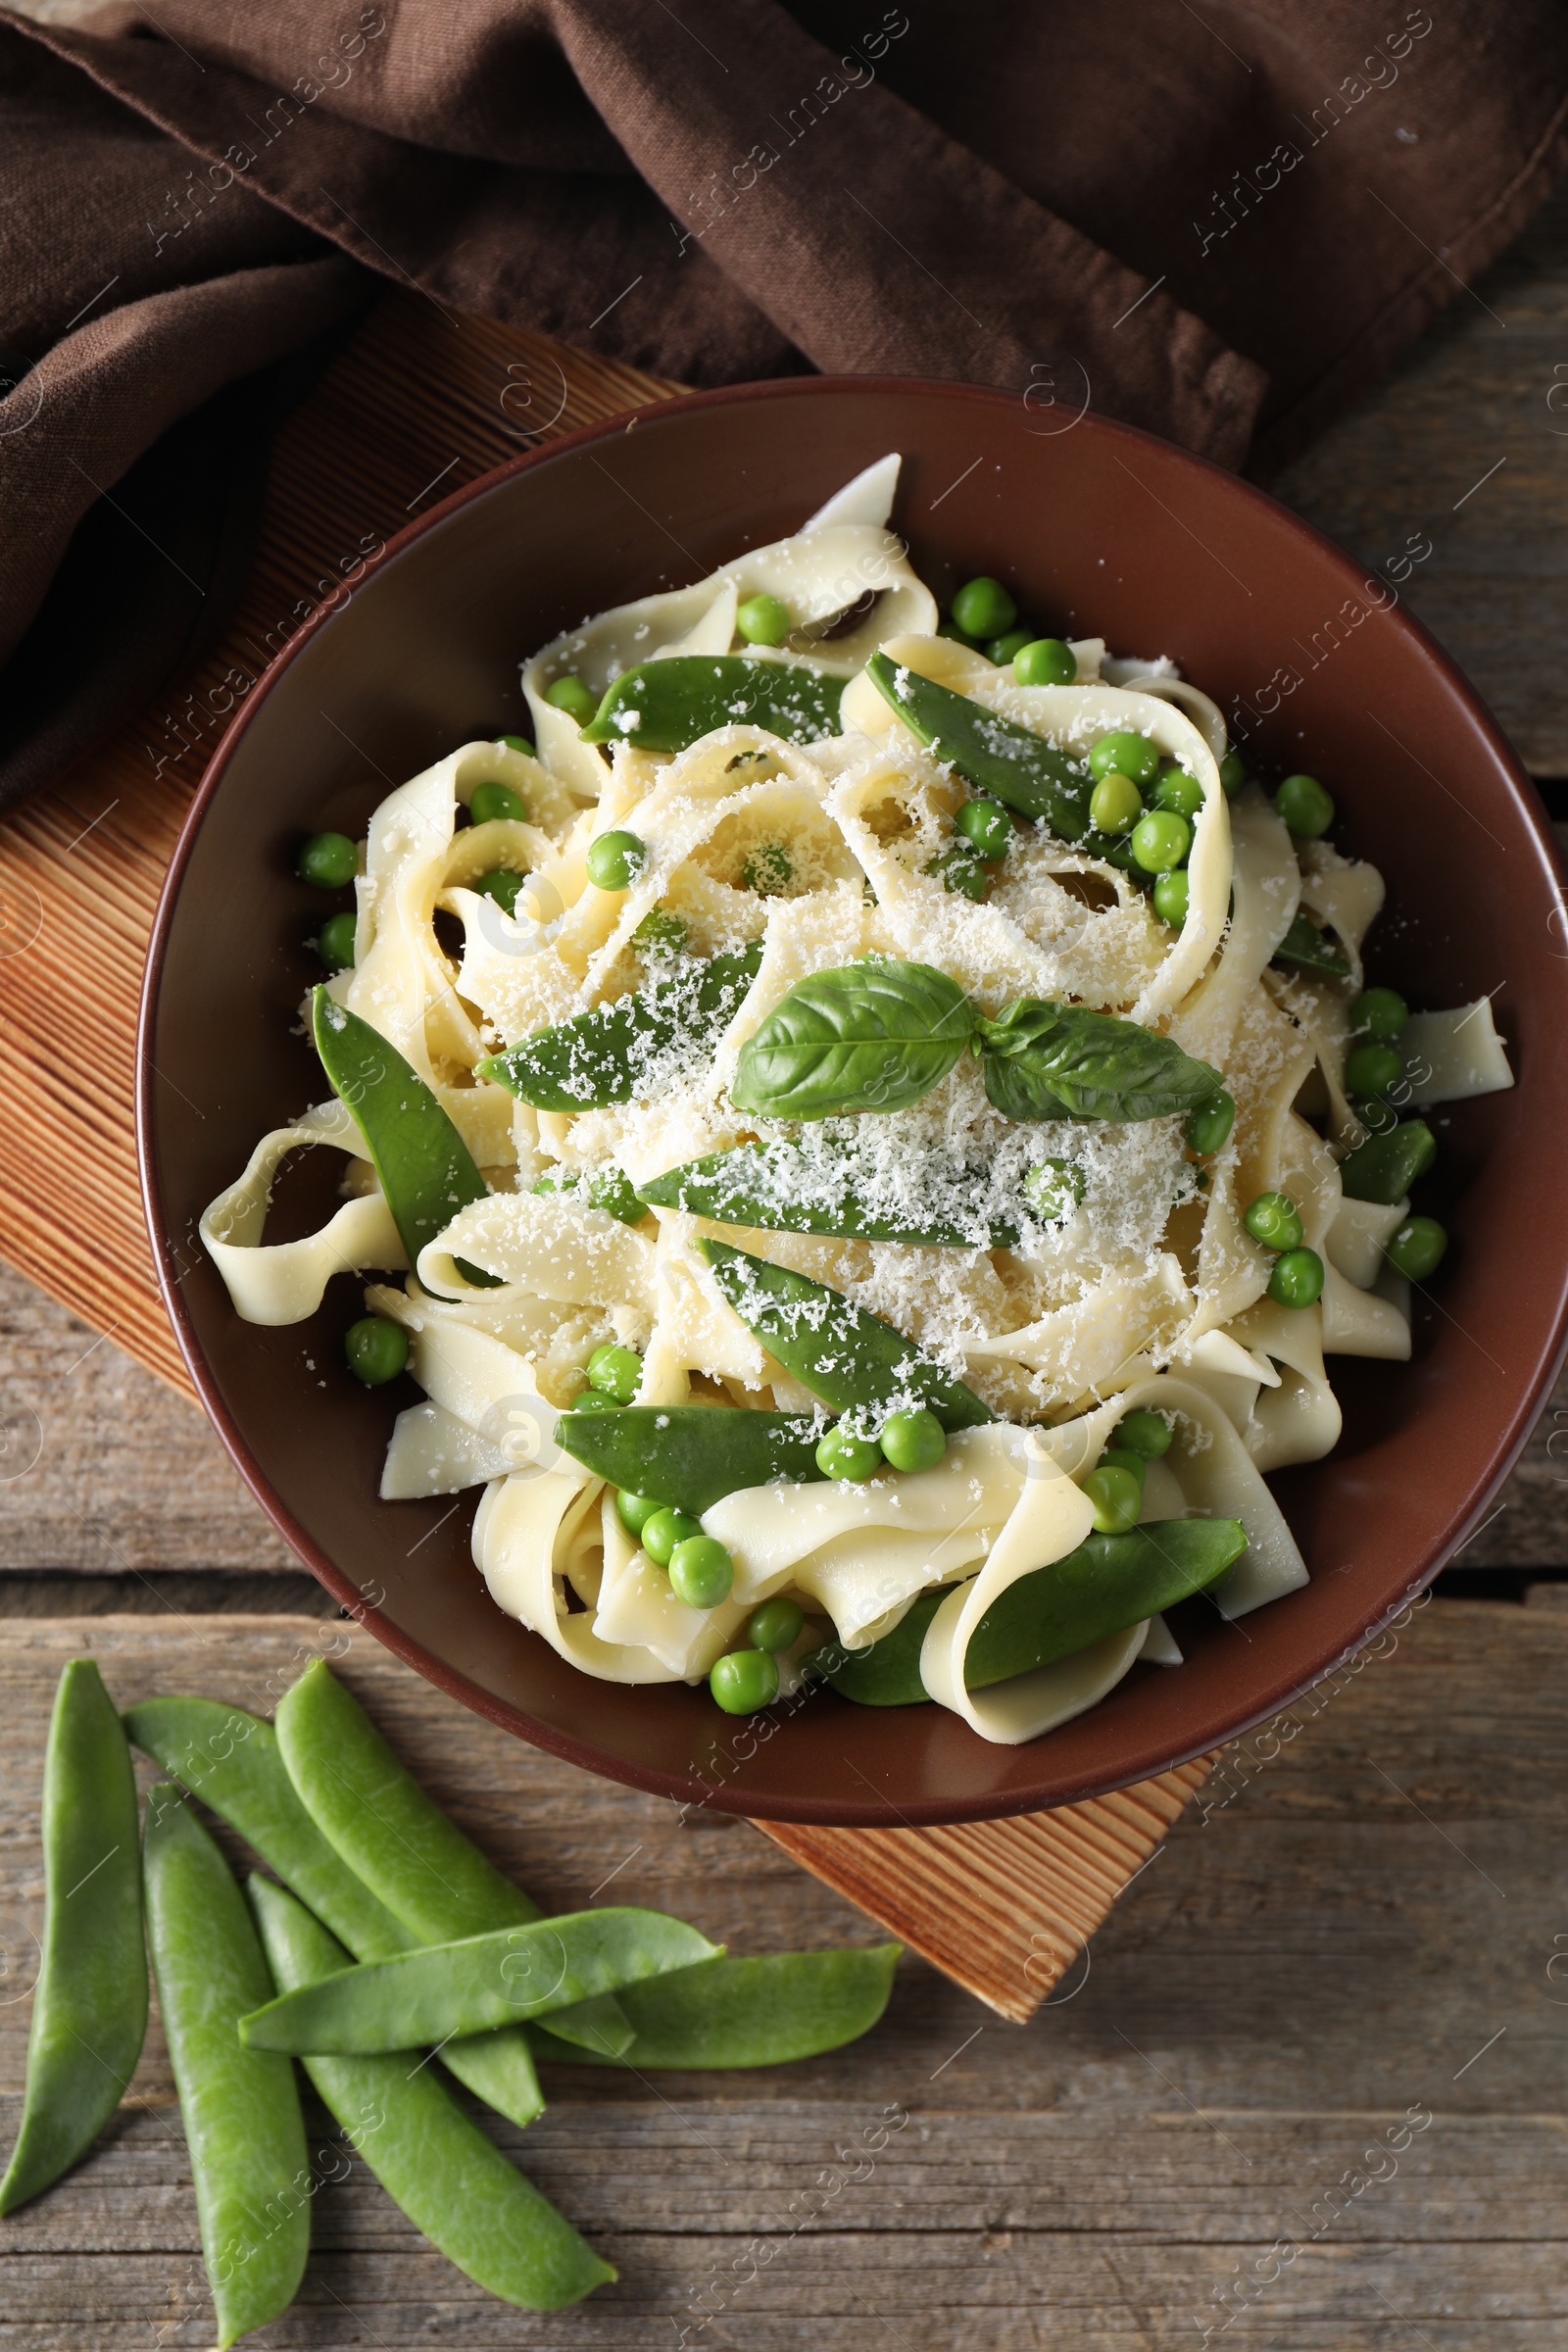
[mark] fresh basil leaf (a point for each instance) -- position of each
(664, 706)
(632, 1046)
(844, 1355)
(1045, 1060)
(1305, 944)
(785, 1188)
(1012, 764)
(871, 1036)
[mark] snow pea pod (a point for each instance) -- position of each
(482, 1981)
(846, 1357)
(1384, 1167)
(1011, 762)
(241, 2108)
(89, 2011)
(692, 1455)
(765, 2011)
(616, 1050)
(397, 1838)
(1108, 1583)
(779, 1188)
(426, 1170)
(452, 2182)
(666, 705)
(231, 1761)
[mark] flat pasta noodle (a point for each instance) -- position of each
(1132, 1282)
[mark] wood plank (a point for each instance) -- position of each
(1354, 1921)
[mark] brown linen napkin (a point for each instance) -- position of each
(1193, 216)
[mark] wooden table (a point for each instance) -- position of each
(1303, 2088)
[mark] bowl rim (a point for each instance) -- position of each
(689, 1788)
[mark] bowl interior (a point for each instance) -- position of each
(1102, 531)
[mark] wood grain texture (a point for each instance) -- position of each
(1353, 1942)
(1002, 1907)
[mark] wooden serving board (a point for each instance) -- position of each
(418, 404)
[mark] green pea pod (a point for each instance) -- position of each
(767, 2011)
(833, 1348)
(692, 1455)
(240, 2108)
(1011, 762)
(90, 2010)
(479, 1983)
(231, 1761)
(1108, 1583)
(433, 2161)
(372, 1810)
(620, 1049)
(1305, 944)
(1385, 1167)
(426, 1170)
(1045, 1060)
(780, 1188)
(664, 706)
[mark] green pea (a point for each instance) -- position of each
(1007, 648)
(764, 620)
(569, 694)
(962, 873)
(841, 1455)
(560, 1180)
(616, 1372)
(745, 1681)
(1117, 1497)
(1307, 809)
(377, 1350)
(334, 941)
(775, 1623)
(1173, 788)
(1232, 774)
(913, 1441)
(1371, 1069)
(1128, 754)
(983, 608)
(518, 743)
(1055, 1189)
(1046, 662)
(592, 1400)
(615, 860)
(488, 803)
(659, 933)
(1380, 1013)
(1115, 805)
(1274, 1219)
(1145, 1432)
(986, 827)
(952, 630)
(328, 861)
(1171, 896)
(663, 1531)
(635, 1510)
(701, 1573)
(768, 869)
(1160, 841)
(1209, 1127)
(1417, 1249)
(1297, 1279)
(1123, 1458)
(612, 1190)
(501, 884)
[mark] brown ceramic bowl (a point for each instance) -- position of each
(1103, 530)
